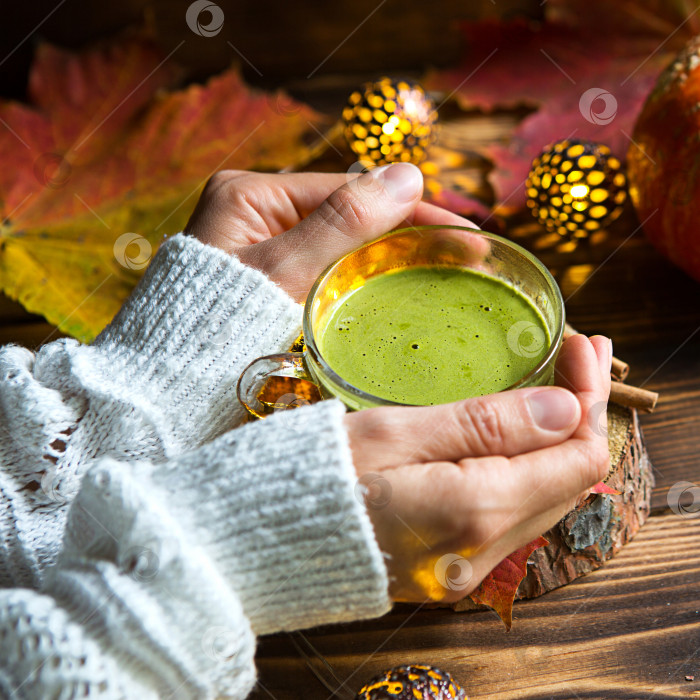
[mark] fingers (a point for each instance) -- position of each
(508, 423)
(579, 370)
(426, 214)
(283, 199)
(290, 197)
(482, 508)
(241, 211)
(241, 208)
(604, 350)
(356, 212)
(473, 246)
(544, 478)
(583, 366)
(307, 191)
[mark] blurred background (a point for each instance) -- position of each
(282, 41)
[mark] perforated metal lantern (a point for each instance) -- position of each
(410, 682)
(389, 121)
(576, 188)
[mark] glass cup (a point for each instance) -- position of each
(451, 246)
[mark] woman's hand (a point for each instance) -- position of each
(453, 489)
(468, 482)
(292, 226)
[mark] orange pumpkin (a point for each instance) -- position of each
(664, 162)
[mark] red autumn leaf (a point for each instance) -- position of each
(600, 487)
(662, 18)
(585, 82)
(103, 151)
(498, 589)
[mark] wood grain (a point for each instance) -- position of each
(629, 630)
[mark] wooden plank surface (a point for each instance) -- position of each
(629, 630)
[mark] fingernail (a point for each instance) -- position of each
(403, 181)
(552, 409)
(605, 363)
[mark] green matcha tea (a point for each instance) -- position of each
(430, 335)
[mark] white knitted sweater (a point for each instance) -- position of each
(144, 538)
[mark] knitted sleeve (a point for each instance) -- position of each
(158, 382)
(169, 570)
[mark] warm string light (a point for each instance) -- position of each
(412, 681)
(389, 121)
(576, 188)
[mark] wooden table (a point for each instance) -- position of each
(629, 630)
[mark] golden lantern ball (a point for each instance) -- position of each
(576, 188)
(389, 121)
(412, 681)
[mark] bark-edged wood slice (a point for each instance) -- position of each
(596, 530)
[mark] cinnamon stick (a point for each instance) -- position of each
(619, 368)
(633, 397)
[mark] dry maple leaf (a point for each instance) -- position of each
(585, 80)
(498, 589)
(103, 150)
(600, 487)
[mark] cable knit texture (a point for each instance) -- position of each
(293, 509)
(158, 381)
(183, 537)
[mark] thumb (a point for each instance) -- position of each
(508, 423)
(359, 211)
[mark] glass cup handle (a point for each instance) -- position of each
(254, 376)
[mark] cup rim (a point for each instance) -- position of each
(332, 375)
